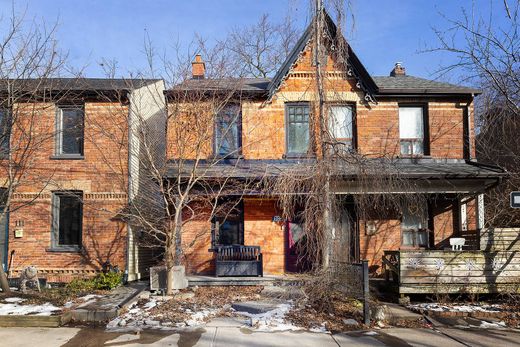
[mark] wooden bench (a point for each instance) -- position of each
(239, 260)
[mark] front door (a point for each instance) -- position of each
(294, 247)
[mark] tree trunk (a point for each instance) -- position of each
(3, 281)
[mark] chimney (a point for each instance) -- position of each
(198, 68)
(398, 70)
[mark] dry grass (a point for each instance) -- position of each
(180, 307)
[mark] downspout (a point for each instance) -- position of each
(6, 247)
(129, 187)
(468, 120)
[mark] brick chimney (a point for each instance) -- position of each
(198, 68)
(398, 70)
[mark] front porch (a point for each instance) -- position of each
(494, 268)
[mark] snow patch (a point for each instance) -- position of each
(46, 309)
(14, 300)
(273, 320)
(456, 307)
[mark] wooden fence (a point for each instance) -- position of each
(440, 271)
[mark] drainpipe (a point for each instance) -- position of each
(129, 186)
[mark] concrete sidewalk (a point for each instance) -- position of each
(223, 336)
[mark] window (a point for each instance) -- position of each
(69, 130)
(411, 130)
(227, 132)
(414, 227)
(340, 124)
(4, 132)
(297, 129)
(67, 215)
(228, 225)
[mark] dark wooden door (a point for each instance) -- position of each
(294, 243)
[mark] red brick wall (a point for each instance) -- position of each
(260, 230)
(101, 175)
(263, 123)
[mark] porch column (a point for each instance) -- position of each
(480, 212)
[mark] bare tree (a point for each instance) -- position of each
(29, 57)
(485, 48)
(260, 49)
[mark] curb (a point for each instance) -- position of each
(32, 321)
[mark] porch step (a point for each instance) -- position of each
(256, 307)
(267, 280)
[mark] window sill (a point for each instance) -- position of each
(299, 156)
(67, 157)
(70, 249)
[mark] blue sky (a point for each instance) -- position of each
(385, 31)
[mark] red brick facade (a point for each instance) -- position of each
(377, 130)
(100, 175)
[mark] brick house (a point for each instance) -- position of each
(63, 213)
(424, 127)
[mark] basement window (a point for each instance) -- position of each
(67, 216)
(411, 130)
(227, 132)
(69, 131)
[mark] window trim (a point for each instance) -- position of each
(55, 217)
(238, 153)
(352, 105)
(59, 133)
(426, 128)
(286, 110)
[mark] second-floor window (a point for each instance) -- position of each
(5, 131)
(69, 131)
(340, 124)
(411, 130)
(228, 131)
(297, 116)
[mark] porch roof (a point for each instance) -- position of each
(405, 168)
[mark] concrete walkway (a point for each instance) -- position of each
(223, 336)
(106, 307)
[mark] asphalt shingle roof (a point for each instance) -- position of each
(255, 85)
(407, 168)
(76, 84)
(417, 85)
(385, 85)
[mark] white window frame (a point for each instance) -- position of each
(416, 144)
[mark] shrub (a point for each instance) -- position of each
(81, 285)
(109, 280)
(102, 281)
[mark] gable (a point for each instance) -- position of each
(353, 69)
